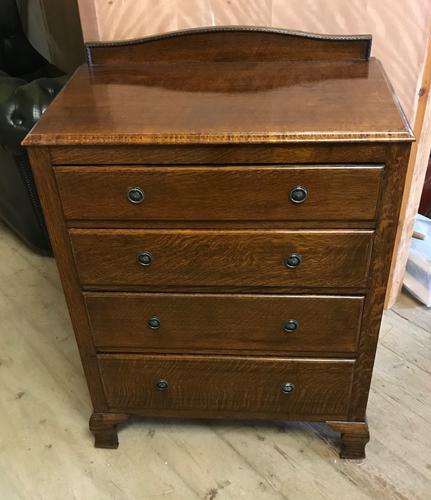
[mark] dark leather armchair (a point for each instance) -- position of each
(28, 83)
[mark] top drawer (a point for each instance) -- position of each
(271, 193)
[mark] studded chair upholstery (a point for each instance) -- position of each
(28, 83)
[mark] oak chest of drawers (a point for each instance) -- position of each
(222, 204)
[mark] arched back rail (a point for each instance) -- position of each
(231, 43)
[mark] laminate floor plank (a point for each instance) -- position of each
(46, 450)
(413, 310)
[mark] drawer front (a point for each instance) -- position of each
(222, 258)
(194, 323)
(227, 385)
(220, 193)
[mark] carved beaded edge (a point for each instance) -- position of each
(220, 29)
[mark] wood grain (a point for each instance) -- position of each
(416, 172)
(354, 437)
(222, 386)
(235, 103)
(224, 323)
(231, 43)
(219, 154)
(220, 193)
(208, 125)
(384, 239)
(104, 428)
(45, 407)
(222, 257)
(60, 242)
(385, 20)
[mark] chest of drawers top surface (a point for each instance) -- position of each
(222, 206)
(257, 94)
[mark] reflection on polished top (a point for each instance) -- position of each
(192, 102)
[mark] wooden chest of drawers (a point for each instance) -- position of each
(222, 204)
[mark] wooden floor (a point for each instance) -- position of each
(46, 450)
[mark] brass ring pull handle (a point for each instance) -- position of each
(291, 325)
(287, 388)
(135, 195)
(162, 384)
(293, 260)
(154, 323)
(144, 259)
(298, 194)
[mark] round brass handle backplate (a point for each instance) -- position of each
(154, 323)
(291, 325)
(293, 260)
(144, 259)
(298, 194)
(162, 384)
(135, 195)
(287, 388)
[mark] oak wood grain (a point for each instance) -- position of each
(59, 238)
(227, 385)
(220, 224)
(212, 124)
(354, 437)
(395, 172)
(231, 43)
(104, 428)
(222, 257)
(220, 154)
(397, 415)
(239, 103)
(220, 193)
(42, 360)
(224, 323)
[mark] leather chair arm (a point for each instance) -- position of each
(21, 106)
